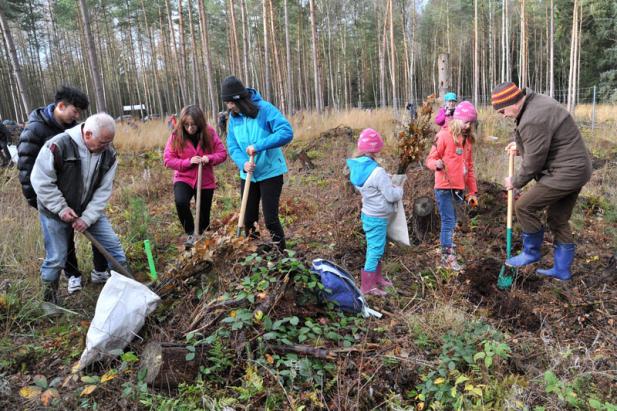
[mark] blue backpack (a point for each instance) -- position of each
(340, 288)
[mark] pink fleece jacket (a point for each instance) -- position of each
(458, 172)
(181, 162)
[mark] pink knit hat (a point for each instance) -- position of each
(370, 141)
(466, 112)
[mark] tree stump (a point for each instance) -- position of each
(167, 365)
(424, 218)
(306, 161)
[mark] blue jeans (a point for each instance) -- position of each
(375, 229)
(56, 234)
(446, 200)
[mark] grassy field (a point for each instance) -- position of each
(431, 327)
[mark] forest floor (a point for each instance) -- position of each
(249, 326)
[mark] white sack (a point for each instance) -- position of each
(121, 311)
(397, 223)
(13, 151)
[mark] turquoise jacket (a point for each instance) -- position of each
(268, 132)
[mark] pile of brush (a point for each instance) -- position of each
(415, 136)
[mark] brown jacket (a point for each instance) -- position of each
(551, 145)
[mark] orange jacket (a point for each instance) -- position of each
(458, 172)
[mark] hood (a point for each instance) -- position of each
(76, 136)
(360, 169)
(255, 96)
(44, 115)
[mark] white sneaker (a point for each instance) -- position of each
(74, 284)
(99, 277)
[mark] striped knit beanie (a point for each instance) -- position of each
(506, 94)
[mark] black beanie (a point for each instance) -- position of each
(233, 89)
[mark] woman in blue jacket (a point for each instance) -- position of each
(256, 127)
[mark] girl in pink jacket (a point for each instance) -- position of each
(192, 142)
(451, 160)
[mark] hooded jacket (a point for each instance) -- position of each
(379, 195)
(458, 173)
(41, 127)
(181, 162)
(94, 189)
(268, 132)
(551, 145)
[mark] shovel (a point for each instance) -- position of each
(198, 201)
(507, 274)
(245, 198)
(114, 263)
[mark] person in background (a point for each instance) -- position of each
(72, 178)
(193, 142)
(452, 161)
(5, 138)
(379, 197)
(257, 128)
(221, 123)
(447, 111)
(43, 124)
(554, 154)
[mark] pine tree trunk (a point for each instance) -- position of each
(314, 43)
(288, 89)
(10, 45)
(203, 22)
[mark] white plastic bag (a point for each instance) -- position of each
(397, 224)
(13, 151)
(121, 311)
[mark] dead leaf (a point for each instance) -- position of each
(75, 368)
(109, 375)
(269, 359)
(88, 389)
(49, 395)
(30, 392)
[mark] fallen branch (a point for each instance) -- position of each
(316, 352)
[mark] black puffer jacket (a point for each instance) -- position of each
(40, 128)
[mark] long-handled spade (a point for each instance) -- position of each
(507, 274)
(196, 231)
(245, 198)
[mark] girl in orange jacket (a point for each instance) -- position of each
(451, 160)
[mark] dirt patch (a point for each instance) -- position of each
(505, 306)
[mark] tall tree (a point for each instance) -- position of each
(10, 45)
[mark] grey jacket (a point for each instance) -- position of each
(551, 145)
(43, 179)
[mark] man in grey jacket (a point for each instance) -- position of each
(72, 177)
(554, 154)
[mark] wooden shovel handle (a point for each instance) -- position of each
(510, 192)
(114, 263)
(198, 200)
(245, 195)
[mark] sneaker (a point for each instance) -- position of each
(99, 277)
(189, 242)
(74, 284)
(449, 262)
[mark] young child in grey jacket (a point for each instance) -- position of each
(379, 197)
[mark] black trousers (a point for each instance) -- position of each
(183, 194)
(71, 269)
(269, 193)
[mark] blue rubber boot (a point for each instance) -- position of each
(532, 242)
(564, 256)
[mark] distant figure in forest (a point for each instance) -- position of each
(172, 122)
(554, 154)
(221, 123)
(447, 111)
(411, 109)
(5, 154)
(43, 124)
(257, 128)
(193, 142)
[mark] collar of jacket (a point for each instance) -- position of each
(529, 95)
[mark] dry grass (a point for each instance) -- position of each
(140, 136)
(605, 113)
(308, 125)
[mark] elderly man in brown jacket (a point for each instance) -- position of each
(553, 154)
